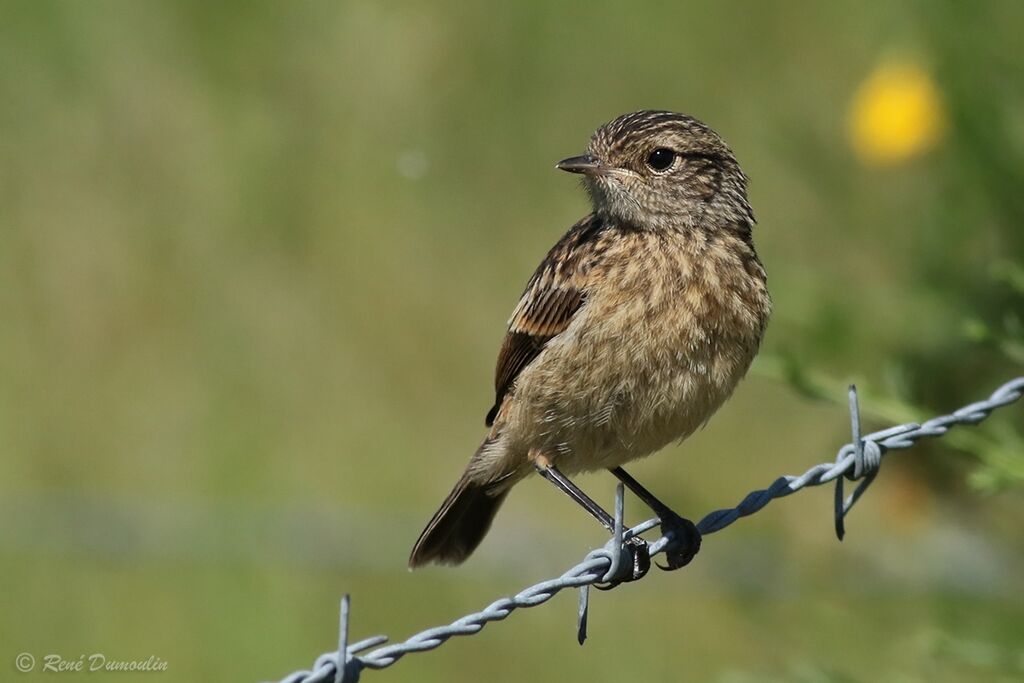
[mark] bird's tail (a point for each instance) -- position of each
(457, 528)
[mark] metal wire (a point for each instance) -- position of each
(858, 460)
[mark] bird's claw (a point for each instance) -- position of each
(684, 540)
(636, 549)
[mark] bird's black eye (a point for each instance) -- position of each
(661, 158)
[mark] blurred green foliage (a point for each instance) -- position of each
(255, 260)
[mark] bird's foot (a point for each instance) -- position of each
(636, 552)
(683, 540)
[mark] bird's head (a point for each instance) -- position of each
(661, 170)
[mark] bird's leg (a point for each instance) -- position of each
(547, 470)
(641, 556)
(682, 531)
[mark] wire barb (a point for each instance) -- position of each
(859, 459)
(583, 614)
(611, 578)
(344, 673)
(867, 459)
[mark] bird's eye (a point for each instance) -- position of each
(661, 158)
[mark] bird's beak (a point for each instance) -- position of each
(585, 164)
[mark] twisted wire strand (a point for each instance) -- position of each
(595, 568)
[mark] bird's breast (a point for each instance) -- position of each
(657, 348)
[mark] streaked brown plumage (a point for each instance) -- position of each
(634, 329)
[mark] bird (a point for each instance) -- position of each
(632, 332)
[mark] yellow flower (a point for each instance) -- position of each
(896, 114)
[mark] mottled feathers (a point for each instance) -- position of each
(552, 296)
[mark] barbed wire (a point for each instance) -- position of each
(858, 460)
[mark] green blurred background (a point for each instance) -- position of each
(255, 262)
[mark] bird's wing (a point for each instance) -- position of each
(555, 292)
